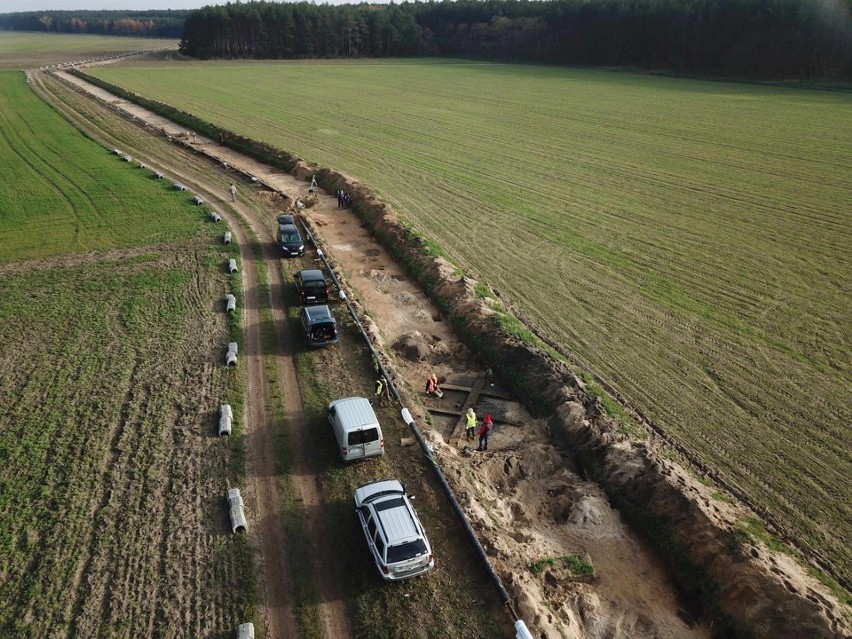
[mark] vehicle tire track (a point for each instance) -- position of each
(278, 619)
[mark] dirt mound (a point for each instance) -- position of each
(273, 197)
(413, 346)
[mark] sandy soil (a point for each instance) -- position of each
(523, 496)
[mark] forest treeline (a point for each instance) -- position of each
(160, 24)
(754, 38)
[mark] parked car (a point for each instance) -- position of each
(394, 534)
(356, 428)
(290, 240)
(312, 287)
(319, 325)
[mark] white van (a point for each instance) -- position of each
(356, 428)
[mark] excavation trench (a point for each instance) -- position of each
(541, 522)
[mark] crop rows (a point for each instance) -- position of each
(29, 50)
(110, 491)
(62, 194)
(111, 482)
(685, 241)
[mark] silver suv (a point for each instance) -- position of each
(393, 531)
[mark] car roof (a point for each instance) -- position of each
(395, 516)
(287, 228)
(318, 313)
(311, 274)
(375, 489)
(355, 412)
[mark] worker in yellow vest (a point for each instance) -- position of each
(470, 424)
(382, 393)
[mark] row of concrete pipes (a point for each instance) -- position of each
(236, 506)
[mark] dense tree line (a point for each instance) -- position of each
(763, 38)
(161, 24)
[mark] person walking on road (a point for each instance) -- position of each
(233, 191)
(484, 432)
(470, 425)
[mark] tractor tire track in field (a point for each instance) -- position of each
(83, 573)
(279, 620)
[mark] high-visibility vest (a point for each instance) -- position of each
(471, 420)
(380, 386)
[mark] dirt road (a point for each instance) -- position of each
(263, 493)
(523, 497)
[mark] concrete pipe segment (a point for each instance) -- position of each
(245, 631)
(231, 355)
(226, 417)
(237, 511)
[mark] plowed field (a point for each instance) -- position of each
(111, 485)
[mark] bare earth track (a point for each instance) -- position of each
(524, 497)
(266, 512)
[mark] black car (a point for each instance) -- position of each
(290, 240)
(312, 286)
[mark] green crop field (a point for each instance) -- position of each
(113, 521)
(19, 50)
(62, 194)
(686, 241)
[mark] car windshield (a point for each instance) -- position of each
(314, 284)
(290, 237)
(406, 551)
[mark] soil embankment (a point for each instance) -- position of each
(528, 496)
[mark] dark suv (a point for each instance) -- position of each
(312, 286)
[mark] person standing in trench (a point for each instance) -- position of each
(484, 432)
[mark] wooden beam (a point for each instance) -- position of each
(488, 391)
(444, 411)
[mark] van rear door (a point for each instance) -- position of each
(362, 443)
